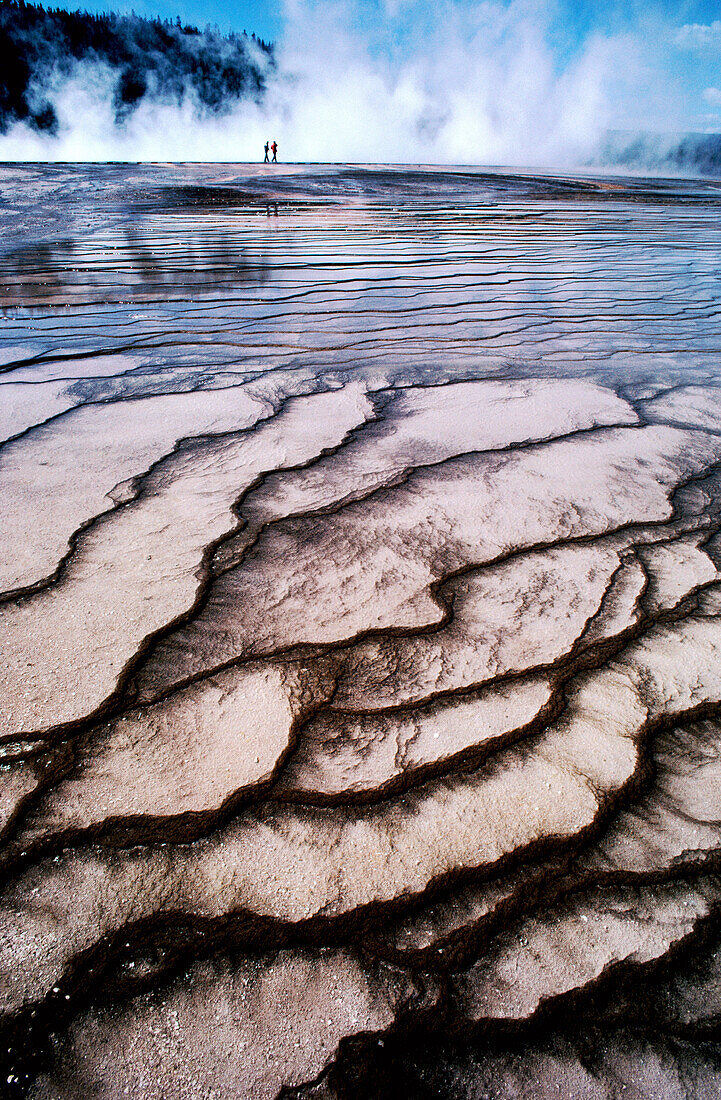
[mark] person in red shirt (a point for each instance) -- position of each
(274, 149)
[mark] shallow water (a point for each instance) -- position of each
(360, 669)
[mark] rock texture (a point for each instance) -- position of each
(360, 691)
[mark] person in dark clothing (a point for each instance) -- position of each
(267, 147)
(274, 147)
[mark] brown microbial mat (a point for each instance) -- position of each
(360, 634)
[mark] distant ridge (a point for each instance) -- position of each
(150, 58)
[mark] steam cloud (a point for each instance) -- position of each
(481, 85)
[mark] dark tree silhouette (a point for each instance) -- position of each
(150, 57)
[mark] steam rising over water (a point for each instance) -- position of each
(482, 85)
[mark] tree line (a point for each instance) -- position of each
(147, 58)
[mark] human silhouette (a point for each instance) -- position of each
(274, 147)
(267, 147)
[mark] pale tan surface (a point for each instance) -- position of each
(349, 753)
(544, 958)
(620, 610)
(138, 570)
(677, 569)
(679, 819)
(427, 426)
(72, 370)
(62, 475)
(230, 1030)
(16, 782)
(697, 405)
(210, 742)
(285, 868)
(387, 552)
(24, 406)
(527, 612)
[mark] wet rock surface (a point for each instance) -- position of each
(360, 688)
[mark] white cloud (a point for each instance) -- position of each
(713, 96)
(394, 8)
(699, 36)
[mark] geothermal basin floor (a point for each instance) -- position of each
(360, 633)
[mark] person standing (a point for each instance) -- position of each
(274, 147)
(267, 147)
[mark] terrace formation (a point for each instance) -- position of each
(360, 694)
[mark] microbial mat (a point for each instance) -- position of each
(360, 633)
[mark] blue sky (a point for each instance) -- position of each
(572, 20)
(264, 17)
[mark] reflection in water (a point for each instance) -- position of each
(459, 269)
(205, 200)
(132, 268)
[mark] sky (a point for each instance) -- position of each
(444, 81)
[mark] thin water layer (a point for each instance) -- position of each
(359, 615)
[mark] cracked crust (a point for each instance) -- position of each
(361, 641)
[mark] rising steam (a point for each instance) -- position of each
(480, 85)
